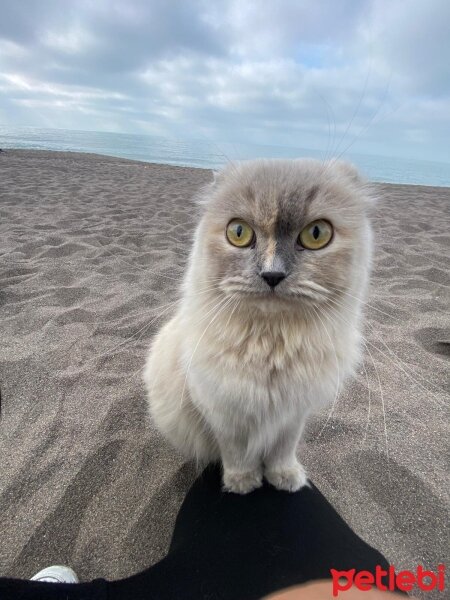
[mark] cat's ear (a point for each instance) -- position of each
(218, 176)
(358, 181)
(348, 170)
(203, 196)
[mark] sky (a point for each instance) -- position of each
(366, 76)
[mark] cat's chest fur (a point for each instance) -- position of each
(249, 371)
(269, 348)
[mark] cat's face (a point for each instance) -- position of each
(285, 231)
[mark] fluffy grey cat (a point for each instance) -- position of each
(268, 325)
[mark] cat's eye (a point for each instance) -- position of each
(239, 233)
(316, 235)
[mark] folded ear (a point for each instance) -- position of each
(358, 181)
(350, 171)
(203, 195)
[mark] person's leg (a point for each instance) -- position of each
(18, 589)
(227, 546)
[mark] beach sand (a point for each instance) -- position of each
(92, 250)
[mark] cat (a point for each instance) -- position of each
(268, 326)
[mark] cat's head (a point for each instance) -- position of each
(284, 231)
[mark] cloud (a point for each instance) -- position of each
(412, 40)
(294, 72)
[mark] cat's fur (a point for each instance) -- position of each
(235, 373)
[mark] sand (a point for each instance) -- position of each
(92, 250)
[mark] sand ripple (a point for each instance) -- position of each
(91, 252)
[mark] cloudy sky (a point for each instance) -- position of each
(370, 74)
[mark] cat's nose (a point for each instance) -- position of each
(273, 278)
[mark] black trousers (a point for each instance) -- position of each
(231, 547)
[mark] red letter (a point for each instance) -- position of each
(391, 578)
(421, 574)
(379, 573)
(364, 580)
(441, 577)
(405, 581)
(337, 575)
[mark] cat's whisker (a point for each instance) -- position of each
(206, 315)
(209, 286)
(141, 268)
(220, 306)
(238, 301)
(137, 267)
(308, 293)
(229, 161)
(330, 142)
(366, 430)
(136, 340)
(315, 286)
(375, 347)
(363, 130)
(132, 315)
(128, 340)
(400, 364)
(355, 112)
(369, 393)
(397, 359)
(364, 341)
(416, 423)
(338, 380)
(384, 414)
(201, 291)
(381, 398)
(342, 291)
(95, 323)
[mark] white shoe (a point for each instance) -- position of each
(56, 574)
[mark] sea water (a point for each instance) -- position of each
(209, 154)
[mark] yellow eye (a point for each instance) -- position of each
(239, 233)
(316, 235)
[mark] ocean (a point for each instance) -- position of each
(209, 155)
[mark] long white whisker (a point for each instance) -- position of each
(338, 379)
(142, 329)
(382, 402)
(366, 430)
(238, 301)
(220, 309)
(398, 360)
(371, 120)
(342, 291)
(356, 111)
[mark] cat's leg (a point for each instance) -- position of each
(281, 467)
(242, 472)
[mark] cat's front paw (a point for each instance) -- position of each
(241, 483)
(288, 478)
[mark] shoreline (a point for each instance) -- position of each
(144, 162)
